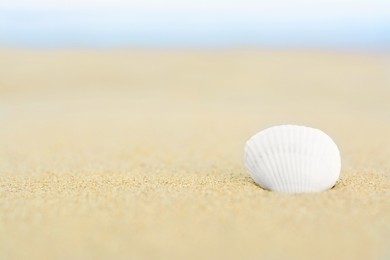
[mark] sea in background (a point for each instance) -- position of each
(205, 26)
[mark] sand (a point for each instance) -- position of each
(138, 154)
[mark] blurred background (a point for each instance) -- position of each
(122, 127)
(345, 24)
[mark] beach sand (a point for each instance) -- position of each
(138, 154)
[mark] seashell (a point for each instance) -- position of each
(294, 159)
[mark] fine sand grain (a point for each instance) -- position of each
(139, 154)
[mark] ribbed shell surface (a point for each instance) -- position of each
(293, 159)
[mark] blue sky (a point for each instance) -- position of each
(157, 23)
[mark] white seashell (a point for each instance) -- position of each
(291, 158)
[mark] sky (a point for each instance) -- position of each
(362, 24)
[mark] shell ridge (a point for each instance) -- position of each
(284, 156)
(308, 137)
(255, 162)
(317, 161)
(265, 161)
(323, 149)
(276, 174)
(288, 155)
(298, 137)
(322, 157)
(285, 152)
(294, 158)
(251, 155)
(294, 155)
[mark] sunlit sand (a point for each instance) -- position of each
(139, 154)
